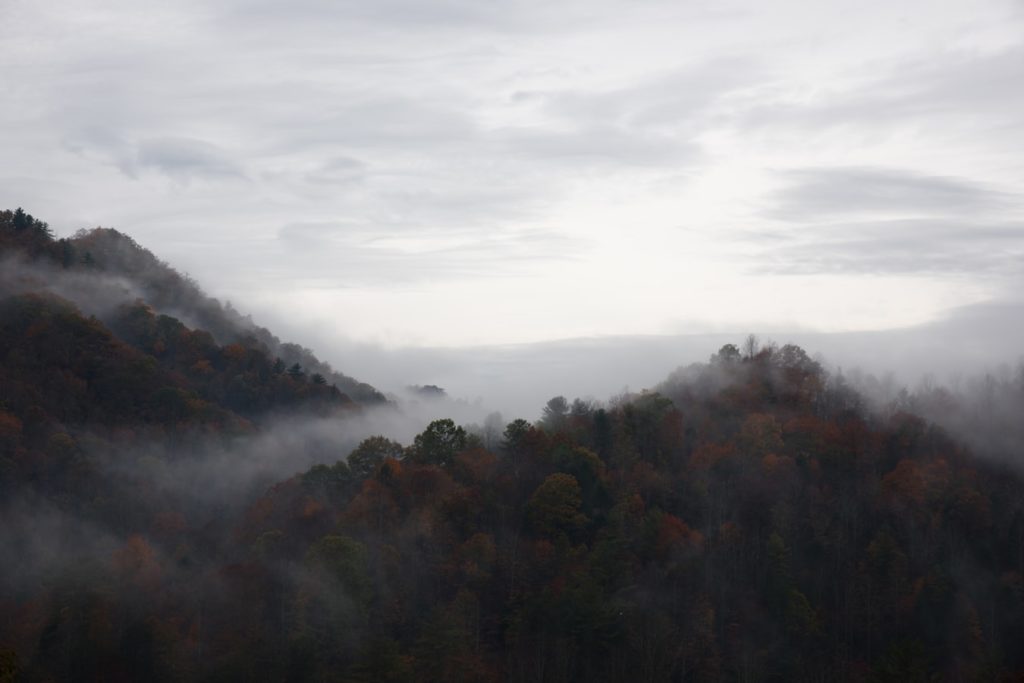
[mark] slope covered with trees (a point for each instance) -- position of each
(108, 274)
(749, 519)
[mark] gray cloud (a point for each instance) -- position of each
(338, 171)
(391, 122)
(913, 246)
(590, 146)
(387, 12)
(666, 100)
(863, 220)
(824, 193)
(651, 123)
(177, 157)
(513, 17)
(973, 87)
(185, 157)
(340, 255)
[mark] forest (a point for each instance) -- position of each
(176, 504)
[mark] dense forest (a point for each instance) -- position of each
(752, 518)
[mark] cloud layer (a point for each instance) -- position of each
(554, 170)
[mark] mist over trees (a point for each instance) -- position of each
(107, 274)
(183, 499)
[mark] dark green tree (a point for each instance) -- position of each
(370, 453)
(439, 443)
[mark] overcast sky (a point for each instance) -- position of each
(459, 172)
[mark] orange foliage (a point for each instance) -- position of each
(136, 561)
(706, 455)
(374, 506)
(425, 485)
(311, 508)
(235, 353)
(10, 426)
(760, 434)
(675, 535)
(202, 367)
(905, 483)
(475, 465)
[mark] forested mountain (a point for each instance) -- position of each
(107, 274)
(749, 519)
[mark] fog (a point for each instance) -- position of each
(95, 294)
(518, 379)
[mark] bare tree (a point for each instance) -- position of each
(751, 345)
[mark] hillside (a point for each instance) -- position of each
(749, 518)
(104, 272)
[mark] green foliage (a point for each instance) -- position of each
(730, 353)
(555, 414)
(344, 560)
(555, 507)
(904, 662)
(328, 481)
(9, 666)
(514, 436)
(371, 453)
(439, 443)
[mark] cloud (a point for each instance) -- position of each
(665, 99)
(912, 246)
(603, 146)
(458, 141)
(824, 193)
(968, 86)
(353, 255)
(870, 220)
(185, 157)
(511, 17)
(179, 158)
(338, 171)
(652, 123)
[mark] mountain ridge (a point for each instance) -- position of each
(106, 255)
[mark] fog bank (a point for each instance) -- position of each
(518, 379)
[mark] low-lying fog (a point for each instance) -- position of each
(517, 380)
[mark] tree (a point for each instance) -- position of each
(21, 220)
(9, 668)
(515, 435)
(555, 412)
(370, 453)
(554, 508)
(491, 432)
(438, 443)
(344, 560)
(726, 355)
(751, 345)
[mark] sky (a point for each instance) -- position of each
(454, 173)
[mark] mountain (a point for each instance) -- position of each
(178, 503)
(146, 303)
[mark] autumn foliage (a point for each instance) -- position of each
(749, 519)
